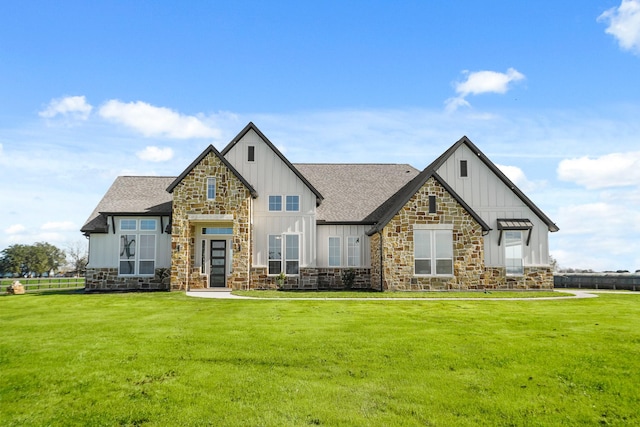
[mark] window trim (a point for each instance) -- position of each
(338, 247)
(283, 260)
(433, 249)
(297, 198)
(464, 168)
(357, 251)
(279, 196)
(507, 247)
(209, 186)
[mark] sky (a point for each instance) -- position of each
(548, 90)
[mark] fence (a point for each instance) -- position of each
(44, 283)
(626, 282)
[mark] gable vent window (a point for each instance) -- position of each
(251, 153)
(432, 205)
(211, 188)
(463, 169)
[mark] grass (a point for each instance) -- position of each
(399, 294)
(70, 359)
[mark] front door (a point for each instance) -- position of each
(218, 272)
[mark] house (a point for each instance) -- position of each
(240, 217)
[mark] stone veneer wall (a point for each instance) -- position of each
(189, 197)
(537, 277)
(107, 279)
(398, 249)
(311, 279)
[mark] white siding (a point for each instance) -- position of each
(104, 248)
(490, 198)
(270, 176)
(343, 231)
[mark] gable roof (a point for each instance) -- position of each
(392, 206)
(211, 149)
(353, 191)
(251, 126)
(466, 141)
(131, 195)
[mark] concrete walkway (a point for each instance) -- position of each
(577, 293)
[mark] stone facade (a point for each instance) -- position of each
(107, 279)
(398, 247)
(312, 279)
(540, 277)
(233, 198)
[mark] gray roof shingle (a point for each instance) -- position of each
(138, 195)
(353, 191)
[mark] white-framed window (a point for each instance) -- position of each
(335, 256)
(292, 251)
(287, 245)
(275, 203)
(275, 254)
(353, 251)
(137, 247)
(211, 188)
(293, 203)
(433, 252)
(513, 252)
(128, 224)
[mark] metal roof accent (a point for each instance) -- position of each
(514, 224)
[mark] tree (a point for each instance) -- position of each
(77, 257)
(35, 259)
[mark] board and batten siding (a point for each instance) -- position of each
(490, 198)
(104, 247)
(343, 231)
(270, 176)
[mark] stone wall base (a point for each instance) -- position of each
(312, 279)
(533, 278)
(107, 279)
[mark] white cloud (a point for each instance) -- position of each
(75, 107)
(624, 24)
(518, 177)
(15, 229)
(156, 121)
(479, 82)
(155, 154)
(60, 226)
(610, 170)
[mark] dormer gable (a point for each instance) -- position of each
(246, 156)
(212, 150)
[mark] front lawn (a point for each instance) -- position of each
(167, 359)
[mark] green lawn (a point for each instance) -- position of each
(166, 359)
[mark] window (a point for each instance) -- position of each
(334, 252)
(293, 203)
(275, 203)
(203, 251)
(513, 252)
(128, 224)
(211, 188)
(433, 252)
(137, 252)
(353, 251)
(275, 254)
(290, 263)
(148, 224)
(463, 169)
(292, 248)
(251, 153)
(432, 205)
(217, 230)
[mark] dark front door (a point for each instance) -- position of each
(218, 273)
